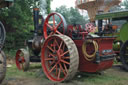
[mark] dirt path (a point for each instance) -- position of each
(113, 76)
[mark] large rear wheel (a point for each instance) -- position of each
(59, 58)
(2, 66)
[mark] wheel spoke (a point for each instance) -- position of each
(59, 74)
(64, 53)
(58, 32)
(62, 69)
(60, 45)
(59, 24)
(64, 61)
(53, 21)
(51, 54)
(66, 57)
(55, 41)
(49, 26)
(52, 63)
(51, 34)
(65, 68)
(54, 46)
(50, 48)
(56, 70)
(49, 59)
(22, 65)
(53, 68)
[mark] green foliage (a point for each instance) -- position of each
(13, 71)
(48, 6)
(71, 15)
(18, 22)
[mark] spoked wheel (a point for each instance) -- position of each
(22, 59)
(2, 66)
(59, 58)
(124, 55)
(54, 24)
(2, 34)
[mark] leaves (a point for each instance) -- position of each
(71, 15)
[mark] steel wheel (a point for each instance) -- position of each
(124, 55)
(2, 34)
(2, 66)
(59, 58)
(22, 59)
(54, 24)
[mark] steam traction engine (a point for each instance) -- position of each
(68, 49)
(3, 3)
(33, 46)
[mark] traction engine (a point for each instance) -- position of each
(67, 49)
(63, 54)
(33, 46)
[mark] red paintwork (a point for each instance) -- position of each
(104, 43)
(19, 64)
(50, 57)
(117, 52)
(89, 66)
(54, 27)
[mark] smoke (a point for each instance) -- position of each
(43, 6)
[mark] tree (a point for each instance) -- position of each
(18, 22)
(48, 6)
(71, 15)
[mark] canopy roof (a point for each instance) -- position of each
(113, 15)
(95, 6)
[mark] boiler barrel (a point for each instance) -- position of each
(124, 32)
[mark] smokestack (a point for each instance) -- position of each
(36, 19)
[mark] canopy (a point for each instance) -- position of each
(113, 15)
(95, 6)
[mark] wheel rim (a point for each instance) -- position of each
(58, 25)
(2, 66)
(20, 60)
(124, 54)
(2, 35)
(56, 59)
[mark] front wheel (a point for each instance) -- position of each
(22, 59)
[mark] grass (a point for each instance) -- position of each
(32, 73)
(112, 76)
